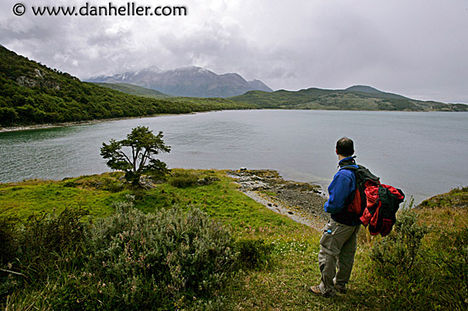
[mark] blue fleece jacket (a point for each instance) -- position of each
(343, 184)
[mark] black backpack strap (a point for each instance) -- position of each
(348, 167)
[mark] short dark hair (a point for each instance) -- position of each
(345, 147)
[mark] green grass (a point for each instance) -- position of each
(21, 200)
(293, 266)
(95, 193)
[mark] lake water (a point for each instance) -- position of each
(423, 153)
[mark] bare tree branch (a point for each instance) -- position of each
(143, 159)
(124, 155)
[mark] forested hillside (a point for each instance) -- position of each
(33, 94)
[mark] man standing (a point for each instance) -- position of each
(338, 243)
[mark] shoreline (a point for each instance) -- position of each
(85, 122)
(300, 201)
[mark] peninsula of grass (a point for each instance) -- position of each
(96, 193)
(435, 279)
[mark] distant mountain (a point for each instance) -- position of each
(358, 97)
(133, 89)
(33, 94)
(364, 89)
(187, 81)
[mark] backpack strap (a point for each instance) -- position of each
(357, 201)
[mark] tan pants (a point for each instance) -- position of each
(337, 248)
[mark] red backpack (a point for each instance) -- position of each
(375, 203)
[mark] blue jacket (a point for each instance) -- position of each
(342, 186)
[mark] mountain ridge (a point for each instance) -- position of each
(357, 97)
(191, 81)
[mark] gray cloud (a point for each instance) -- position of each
(416, 48)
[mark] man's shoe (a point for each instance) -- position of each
(316, 290)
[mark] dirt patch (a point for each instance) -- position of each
(302, 202)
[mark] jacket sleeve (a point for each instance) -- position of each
(339, 190)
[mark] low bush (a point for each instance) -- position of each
(171, 259)
(418, 269)
(183, 180)
(46, 242)
(8, 247)
(42, 247)
(7, 240)
(150, 260)
(399, 253)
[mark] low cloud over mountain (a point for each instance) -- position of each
(187, 81)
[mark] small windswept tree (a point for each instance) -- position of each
(135, 155)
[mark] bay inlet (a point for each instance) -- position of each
(423, 153)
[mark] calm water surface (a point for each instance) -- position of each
(422, 153)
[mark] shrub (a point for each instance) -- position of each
(44, 246)
(419, 271)
(183, 180)
(397, 254)
(45, 239)
(253, 253)
(8, 245)
(414, 277)
(148, 260)
(8, 116)
(448, 260)
(7, 240)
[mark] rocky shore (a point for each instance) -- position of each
(302, 202)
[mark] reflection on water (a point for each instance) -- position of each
(423, 153)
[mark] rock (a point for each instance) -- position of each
(25, 81)
(146, 182)
(38, 73)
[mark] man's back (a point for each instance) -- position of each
(341, 191)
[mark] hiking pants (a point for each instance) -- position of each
(337, 248)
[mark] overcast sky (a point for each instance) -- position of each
(418, 48)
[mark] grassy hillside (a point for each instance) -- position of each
(354, 98)
(133, 89)
(35, 94)
(424, 266)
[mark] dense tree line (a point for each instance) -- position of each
(34, 94)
